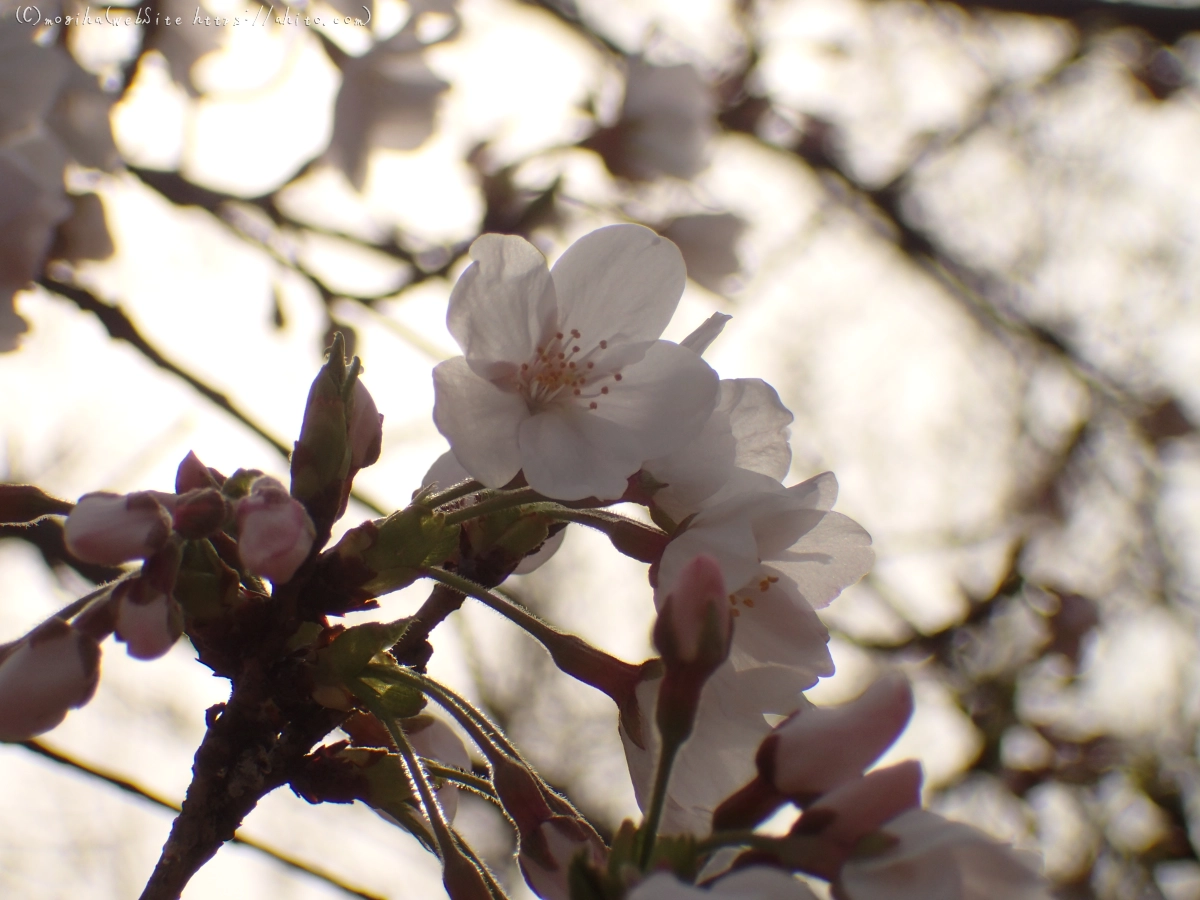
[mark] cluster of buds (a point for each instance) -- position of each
(202, 549)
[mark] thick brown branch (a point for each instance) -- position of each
(248, 751)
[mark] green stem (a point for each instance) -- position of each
(437, 819)
(737, 838)
(545, 633)
(498, 503)
(658, 799)
(452, 493)
(470, 781)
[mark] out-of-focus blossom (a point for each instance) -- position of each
(718, 758)
(931, 858)
(148, 621)
(753, 883)
(821, 747)
(666, 122)
(110, 529)
(438, 741)
(365, 425)
(388, 100)
(275, 533)
(563, 376)
(48, 672)
(562, 839)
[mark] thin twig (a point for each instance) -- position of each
(137, 790)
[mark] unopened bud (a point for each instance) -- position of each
(199, 513)
(366, 428)
(193, 475)
(275, 533)
(695, 624)
(52, 670)
(110, 529)
(859, 807)
(560, 841)
(819, 748)
(148, 621)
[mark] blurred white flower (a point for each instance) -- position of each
(933, 858)
(563, 376)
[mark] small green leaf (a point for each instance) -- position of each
(352, 650)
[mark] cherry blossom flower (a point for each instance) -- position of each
(275, 533)
(437, 740)
(718, 758)
(783, 554)
(110, 529)
(931, 858)
(752, 883)
(50, 671)
(562, 376)
(746, 433)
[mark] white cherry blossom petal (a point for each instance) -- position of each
(480, 420)
(570, 454)
(776, 625)
(620, 283)
(503, 305)
(759, 421)
(664, 400)
(835, 553)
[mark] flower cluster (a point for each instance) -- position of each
(565, 402)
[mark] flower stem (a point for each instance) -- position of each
(471, 782)
(658, 799)
(452, 493)
(497, 503)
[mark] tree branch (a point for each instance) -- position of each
(138, 791)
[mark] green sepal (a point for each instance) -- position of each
(399, 547)
(514, 531)
(205, 587)
(322, 454)
(400, 700)
(352, 651)
(238, 484)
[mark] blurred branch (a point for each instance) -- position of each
(47, 536)
(1166, 23)
(119, 326)
(138, 791)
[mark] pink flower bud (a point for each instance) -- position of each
(859, 807)
(366, 428)
(52, 670)
(199, 513)
(819, 748)
(547, 869)
(148, 621)
(110, 529)
(695, 623)
(194, 475)
(275, 533)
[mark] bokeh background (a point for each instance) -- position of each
(962, 239)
